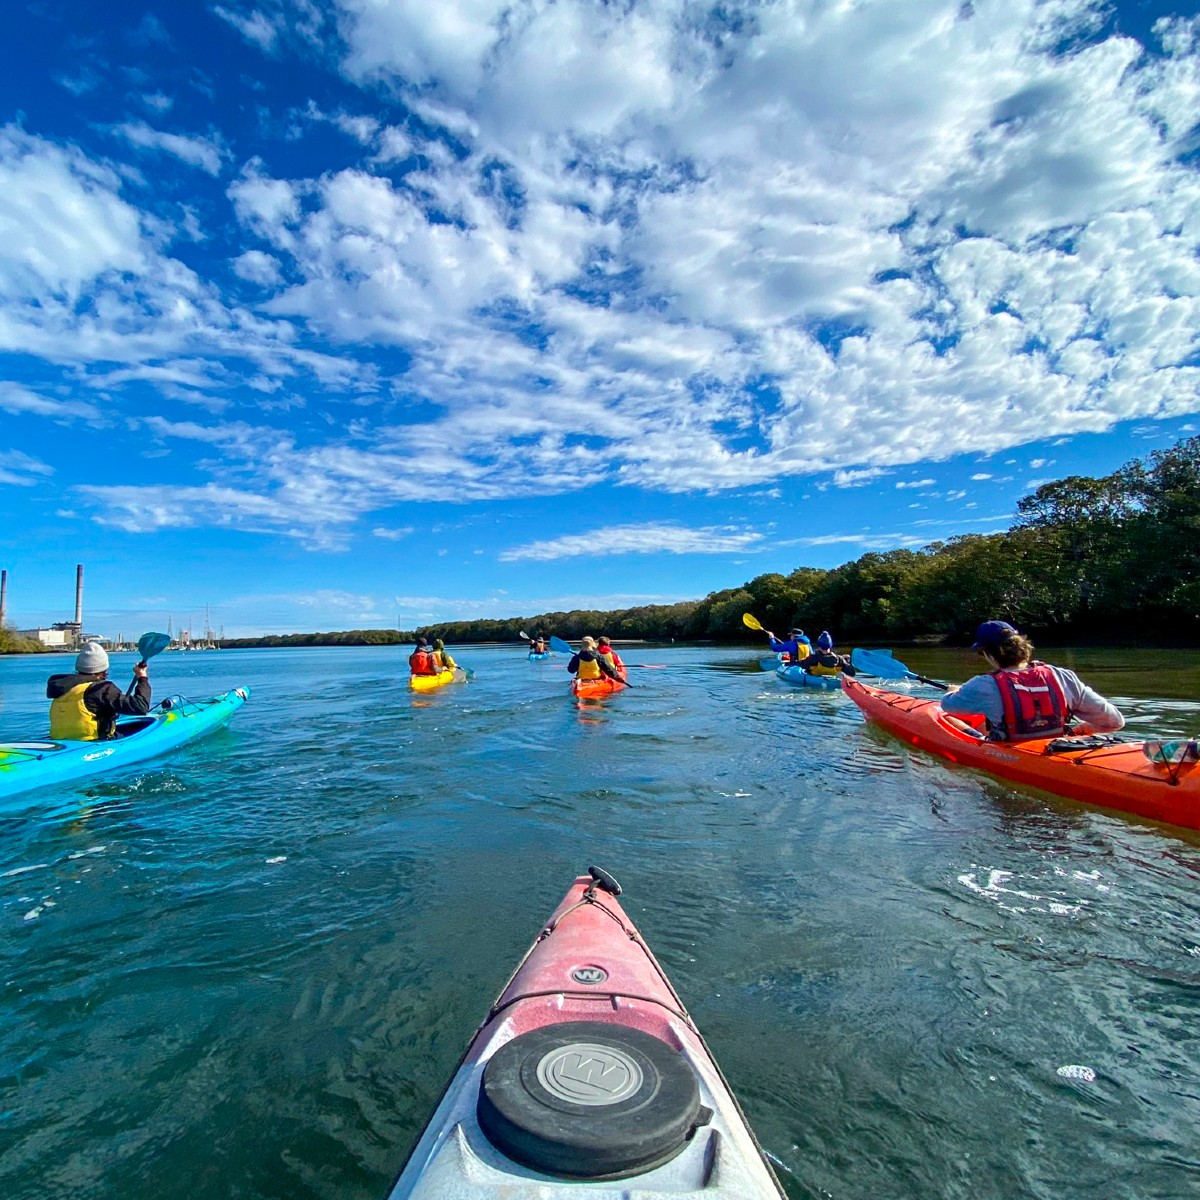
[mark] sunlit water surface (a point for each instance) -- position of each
(247, 971)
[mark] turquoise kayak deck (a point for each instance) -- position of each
(173, 723)
(800, 678)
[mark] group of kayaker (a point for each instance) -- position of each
(430, 660)
(597, 658)
(798, 651)
(1020, 697)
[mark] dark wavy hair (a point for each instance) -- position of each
(1012, 651)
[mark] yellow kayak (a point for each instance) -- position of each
(428, 683)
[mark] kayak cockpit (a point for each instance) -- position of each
(135, 725)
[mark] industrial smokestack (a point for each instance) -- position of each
(3, 598)
(79, 595)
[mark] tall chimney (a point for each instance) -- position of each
(3, 597)
(79, 595)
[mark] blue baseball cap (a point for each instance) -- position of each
(991, 633)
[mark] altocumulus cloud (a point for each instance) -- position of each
(693, 232)
(637, 539)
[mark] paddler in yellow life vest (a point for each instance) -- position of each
(823, 661)
(442, 656)
(588, 664)
(605, 649)
(84, 706)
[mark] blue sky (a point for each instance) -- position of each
(338, 313)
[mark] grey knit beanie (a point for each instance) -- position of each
(92, 659)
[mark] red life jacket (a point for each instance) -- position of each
(1035, 704)
(422, 662)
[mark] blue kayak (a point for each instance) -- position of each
(173, 723)
(538, 657)
(798, 677)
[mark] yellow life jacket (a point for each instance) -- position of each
(608, 658)
(588, 669)
(444, 660)
(71, 719)
(822, 670)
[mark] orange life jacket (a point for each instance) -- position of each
(423, 662)
(1035, 704)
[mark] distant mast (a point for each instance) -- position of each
(3, 598)
(79, 597)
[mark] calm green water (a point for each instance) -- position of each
(248, 972)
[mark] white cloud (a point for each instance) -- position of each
(637, 539)
(254, 26)
(15, 398)
(393, 535)
(980, 476)
(62, 224)
(658, 245)
(20, 469)
(158, 102)
(916, 483)
(203, 152)
(859, 477)
(257, 267)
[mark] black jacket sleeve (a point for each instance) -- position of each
(107, 700)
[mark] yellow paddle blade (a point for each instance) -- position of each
(751, 622)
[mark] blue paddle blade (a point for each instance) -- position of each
(882, 665)
(879, 663)
(150, 644)
(771, 663)
(561, 646)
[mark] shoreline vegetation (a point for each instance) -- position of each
(1103, 560)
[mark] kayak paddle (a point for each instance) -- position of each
(752, 622)
(770, 663)
(150, 644)
(883, 665)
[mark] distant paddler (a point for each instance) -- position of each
(796, 647)
(423, 661)
(84, 706)
(824, 661)
(588, 664)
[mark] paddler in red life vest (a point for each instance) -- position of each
(1023, 698)
(85, 706)
(794, 649)
(423, 661)
(605, 649)
(823, 661)
(589, 664)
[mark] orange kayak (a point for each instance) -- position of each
(1117, 776)
(597, 689)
